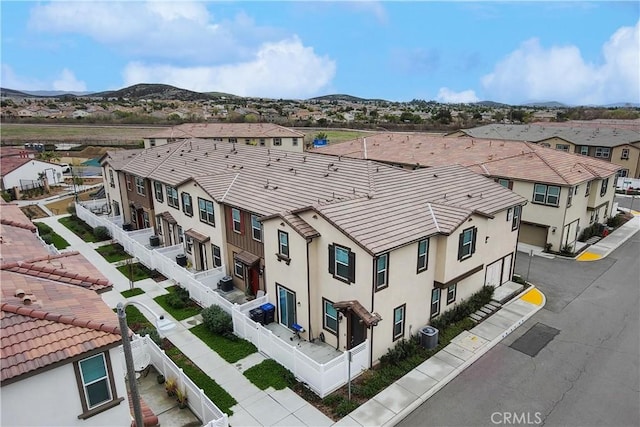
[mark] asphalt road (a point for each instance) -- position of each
(629, 202)
(587, 375)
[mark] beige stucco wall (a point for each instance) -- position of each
(631, 163)
(287, 142)
(542, 214)
(555, 140)
(112, 193)
(52, 398)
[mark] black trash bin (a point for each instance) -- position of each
(257, 315)
(181, 260)
(154, 241)
(127, 226)
(269, 312)
(429, 337)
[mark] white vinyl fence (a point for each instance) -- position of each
(198, 402)
(322, 378)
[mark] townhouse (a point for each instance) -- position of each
(60, 341)
(267, 135)
(613, 142)
(346, 249)
(565, 192)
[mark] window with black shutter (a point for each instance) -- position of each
(467, 243)
(342, 263)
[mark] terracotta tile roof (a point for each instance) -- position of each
(64, 318)
(9, 164)
(379, 206)
(16, 151)
(580, 135)
(196, 236)
(301, 226)
(167, 217)
(227, 130)
(509, 159)
(369, 319)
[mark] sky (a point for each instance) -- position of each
(577, 53)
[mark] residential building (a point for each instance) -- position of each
(346, 249)
(21, 173)
(565, 192)
(259, 134)
(613, 142)
(60, 342)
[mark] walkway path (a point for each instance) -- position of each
(616, 238)
(255, 407)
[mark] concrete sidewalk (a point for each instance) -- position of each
(608, 244)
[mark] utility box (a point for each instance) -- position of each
(154, 241)
(181, 260)
(429, 337)
(226, 284)
(269, 312)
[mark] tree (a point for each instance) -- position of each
(48, 156)
(498, 116)
(321, 136)
(443, 116)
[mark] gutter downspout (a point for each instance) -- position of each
(309, 292)
(373, 294)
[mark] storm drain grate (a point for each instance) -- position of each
(535, 339)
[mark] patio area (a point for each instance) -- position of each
(164, 407)
(316, 350)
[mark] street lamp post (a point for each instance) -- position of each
(162, 325)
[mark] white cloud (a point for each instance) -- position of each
(448, 96)
(65, 81)
(154, 30)
(284, 69)
(559, 73)
(68, 82)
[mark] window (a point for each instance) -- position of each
(262, 142)
(145, 219)
(111, 181)
(622, 173)
(546, 194)
(467, 243)
(562, 147)
(277, 142)
(605, 186)
(159, 225)
(586, 192)
(545, 144)
(625, 154)
(330, 317)
(382, 271)
(238, 268)
(584, 150)
(140, 186)
(423, 255)
(295, 142)
(451, 293)
(96, 382)
(342, 263)
(187, 207)
(205, 207)
(128, 179)
(515, 222)
(217, 259)
(398, 322)
(189, 244)
(506, 183)
(256, 228)
(172, 197)
(236, 219)
(233, 140)
(158, 190)
(180, 234)
(602, 152)
(509, 214)
(152, 142)
(435, 302)
(570, 196)
(283, 244)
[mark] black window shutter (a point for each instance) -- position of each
(332, 259)
(460, 242)
(388, 265)
(510, 185)
(473, 240)
(352, 267)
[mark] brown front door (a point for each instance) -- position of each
(357, 331)
(254, 280)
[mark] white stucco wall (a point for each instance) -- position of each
(52, 398)
(112, 192)
(30, 171)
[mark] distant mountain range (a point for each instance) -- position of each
(167, 92)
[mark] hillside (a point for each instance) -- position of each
(8, 93)
(158, 91)
(341, 97)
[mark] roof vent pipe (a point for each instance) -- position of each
(19, 293)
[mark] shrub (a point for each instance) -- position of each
(464, 309)
(401, 351)
(175, 300)
(217, 320)
(153, 334)
(101, 232)
(589, 232)
(345, 407)
(72, 209)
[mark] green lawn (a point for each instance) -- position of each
(230, 350)
(132, 292)
(51, 237)
(80, 228)
(113, 252)
(189, 310)
(270, 373)
(135, 271)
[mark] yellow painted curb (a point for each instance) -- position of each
(534, 296)
(588, 256)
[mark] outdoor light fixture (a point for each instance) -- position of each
(162, 325)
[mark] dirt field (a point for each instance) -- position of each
(16, 133)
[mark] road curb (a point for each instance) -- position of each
(457, 371)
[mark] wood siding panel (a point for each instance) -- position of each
(245, 240)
